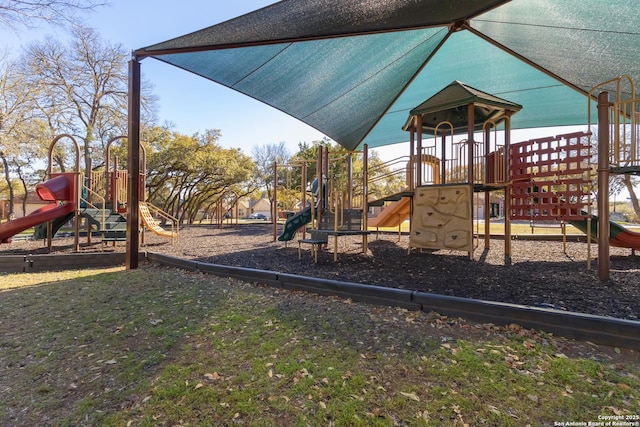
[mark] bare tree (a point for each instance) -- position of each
(17, 124)
(264, 156)
(84, 89)
(17, 14)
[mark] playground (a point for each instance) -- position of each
(540, 273)
(460, 149)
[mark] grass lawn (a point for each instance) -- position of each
(160, 346)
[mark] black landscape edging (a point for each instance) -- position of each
(13, 263)
(356, 291)
(580, 326)
(171, 261)
(56, 262)
(584, 327)
(240, 273)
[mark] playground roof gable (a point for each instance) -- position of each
(354, 69)
(450, 104)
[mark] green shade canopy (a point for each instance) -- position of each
(354, 69)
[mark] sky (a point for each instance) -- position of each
(194, 104)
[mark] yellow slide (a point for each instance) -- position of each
(393, 214)
(151, 223)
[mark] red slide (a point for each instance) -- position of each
(56, 189)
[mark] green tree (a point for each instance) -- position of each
(188, 174)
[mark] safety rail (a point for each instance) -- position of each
(625, 149)
(429, 173)
(624, 128)
(157, 211)
(398, 167)
(92, 206)
(119, 186)
(98, 182)
(104, 183)
(452, 152)
(488, 168)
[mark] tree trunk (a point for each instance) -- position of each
(7, 177)
(632, 195)
(26, 191)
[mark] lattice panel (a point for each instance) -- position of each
(550, 178)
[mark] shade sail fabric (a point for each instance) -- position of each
(354, 69)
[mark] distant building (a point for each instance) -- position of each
(243, 209)
(33, 203)
(262, 206)
(496, 207)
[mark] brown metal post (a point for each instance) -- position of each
(412, 180)
(365, 197)
(349, 180)
(133, 190)
(303, 187)
(507, 195)
(443, 161)
(319, 189)
(487, 194)
(88, 178)
(470, 126)
(326, 162)
(274, 208)
(412, 159)
(603, 186)
(419, 151)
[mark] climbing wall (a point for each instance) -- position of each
(442, 218)
(550, 178)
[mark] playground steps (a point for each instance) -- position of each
(114, 227)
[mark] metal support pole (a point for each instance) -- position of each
(319, 189)
(507, 193)
(412, 177)
(487, 194)
(411, 181)
(303, 187)
(133, 190)
(443, 160)
(349, 203)
(88, 178)
(365, 196)
(470, 126)
(419, 151)
(603, 186)
(274, 208)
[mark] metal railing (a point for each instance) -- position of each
(93, 194)
(624, 119)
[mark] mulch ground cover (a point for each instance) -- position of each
(539, 273)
